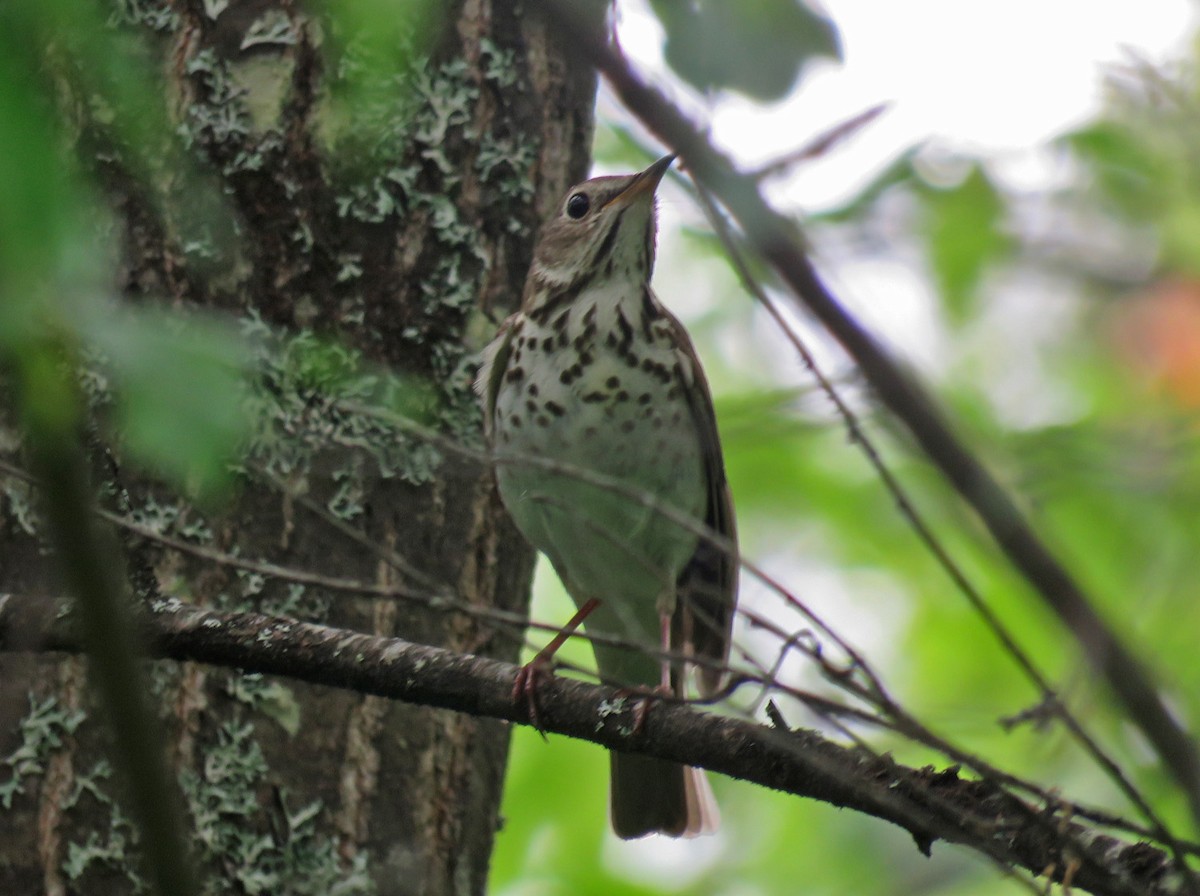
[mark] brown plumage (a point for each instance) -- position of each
(594, 375)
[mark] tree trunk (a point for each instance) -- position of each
(379, 226)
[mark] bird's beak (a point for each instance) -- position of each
(644, 183)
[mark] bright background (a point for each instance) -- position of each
(1045, 299)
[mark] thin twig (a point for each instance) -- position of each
(821, 144)
(907, 507)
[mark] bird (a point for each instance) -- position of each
(607, 457)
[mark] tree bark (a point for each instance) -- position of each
(399, 231)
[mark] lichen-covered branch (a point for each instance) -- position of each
(931, 805)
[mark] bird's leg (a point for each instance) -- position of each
(642, 708)
(529, 676)
(664, 621)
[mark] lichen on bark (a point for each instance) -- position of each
(359, 244)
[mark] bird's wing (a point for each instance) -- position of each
(707, 586)
(493, 363)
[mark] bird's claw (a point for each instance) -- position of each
(525, 686)
(646, 697)
(529, 676)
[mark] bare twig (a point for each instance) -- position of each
(821, 144)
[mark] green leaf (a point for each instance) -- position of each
(963, 231)
(369, 47)
(38, 187)
(180, 397)
(1122, 166)
(757, 47)
(1180, 234)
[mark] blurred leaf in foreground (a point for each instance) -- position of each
(963, 227)
(180, 388)
(757, 47)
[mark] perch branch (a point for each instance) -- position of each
(931, 805)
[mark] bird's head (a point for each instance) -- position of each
(603, 228)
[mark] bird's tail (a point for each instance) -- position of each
(650, 796)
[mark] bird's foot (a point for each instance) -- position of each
(646, 698)
(525, 687)
(530, 676)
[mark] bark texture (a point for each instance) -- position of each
(381, 232)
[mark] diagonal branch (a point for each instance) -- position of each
(924, 532)
(780, 242)
(931, 805)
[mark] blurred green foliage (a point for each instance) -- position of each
(756, 47)
(176, 385)
(180, 391)
(963, 229)
(1067, 327)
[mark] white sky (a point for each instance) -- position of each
(988, 79)
(981, 76)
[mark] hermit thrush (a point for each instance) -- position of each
(602, 427)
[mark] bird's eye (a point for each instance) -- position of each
(578, 205)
